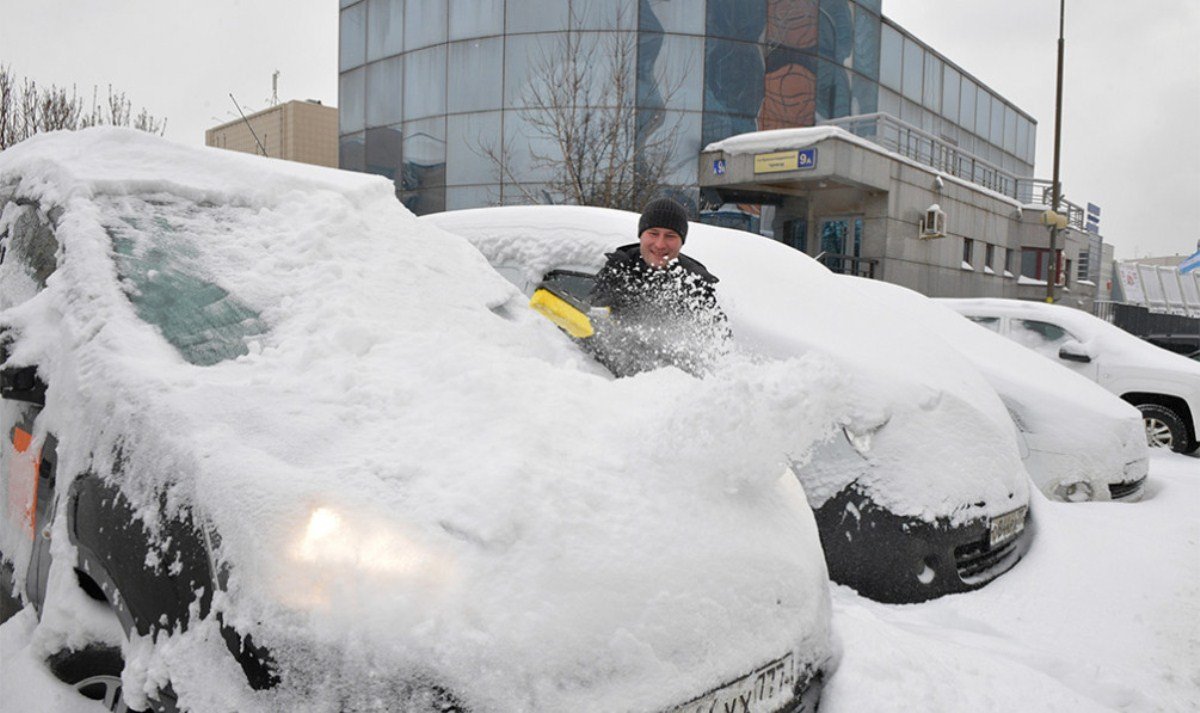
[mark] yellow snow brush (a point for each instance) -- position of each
(563, 312)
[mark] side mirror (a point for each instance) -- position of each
(19, 383)
(1074, 351)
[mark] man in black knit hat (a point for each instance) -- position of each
(663, 304)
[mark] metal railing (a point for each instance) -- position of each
(849, 264)
(928, 150)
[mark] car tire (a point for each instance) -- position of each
(94, 672)
(1165, 429)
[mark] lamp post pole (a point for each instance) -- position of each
(1052, 277)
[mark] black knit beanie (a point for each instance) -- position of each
(664, 213)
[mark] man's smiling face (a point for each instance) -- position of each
(659, 246)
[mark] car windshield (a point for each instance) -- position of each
(157, 248)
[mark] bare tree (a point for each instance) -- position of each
(26, 110)
(588, 134)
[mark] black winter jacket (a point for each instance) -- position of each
(658, 317)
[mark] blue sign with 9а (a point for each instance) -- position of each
(806, 158)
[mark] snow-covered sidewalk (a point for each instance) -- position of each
(1103, 614)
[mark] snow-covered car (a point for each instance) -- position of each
(1164, 386)
(922, 492)
(1078, 441)
(271, 444)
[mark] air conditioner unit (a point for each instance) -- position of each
(933, 223)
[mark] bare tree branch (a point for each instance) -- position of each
(586, 131)
(27, 110)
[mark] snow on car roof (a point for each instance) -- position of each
(956, 433)
(484, 500)
(1089, 329)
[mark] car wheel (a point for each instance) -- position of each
(1164, 428)
(94, 672)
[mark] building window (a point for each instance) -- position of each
(968, 254)
(1008, 262)
(989, 258)
(1035, 264)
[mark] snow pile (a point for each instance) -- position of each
(409, 470)
(1077, 432)
(940, 441)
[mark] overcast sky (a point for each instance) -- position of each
(1131, 108)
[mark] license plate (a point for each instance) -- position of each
(764, 690)
(1007, 526)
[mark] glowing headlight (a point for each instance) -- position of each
(335, 556)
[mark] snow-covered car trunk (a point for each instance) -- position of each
(1079, 442)
(926, 449)
(296, 424)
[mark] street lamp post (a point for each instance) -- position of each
(1052, 277)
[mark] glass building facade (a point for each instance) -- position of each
(428, 87)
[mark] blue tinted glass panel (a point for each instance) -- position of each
(475, 75)
(537, 16)
(670, 67)
(891, 57)
(476, 18)
(931, 96)
(864, 95)
(471, 142)
(608, 15)
(951, 80)
(352, 152)
(385, 91)
(683, 16)
(733, 77)
(351, 96)
(603, 51)
(794, 25)
(789, 90)
(866, 44)
(385, 28)
(424, 150)
(737, 19)
(531, 154)
(966, 105)
(983, 113)
(424, 202)
(682, 129)
(463, 197)
(352, 37)
(833, 91)
(996, 133)
(872, 5)
(346, 3)
(383, 153)
(836, 40)
(424, 23)
(914, 69)
(425, 83)
(528, 63)
(1010, 130)
(716, 127)
(889, 102)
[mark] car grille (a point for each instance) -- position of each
(975, 558)
(1124, 490)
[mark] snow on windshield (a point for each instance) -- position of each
(401, 476)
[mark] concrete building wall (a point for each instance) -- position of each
(296, 131)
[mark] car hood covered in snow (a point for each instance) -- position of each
(940, 442)
(1074, 431)
(409, 471)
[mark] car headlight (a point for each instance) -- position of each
(1077, 492)
(334, 552)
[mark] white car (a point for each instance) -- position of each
(1164, 386)
(1079, 442)
(270, 444)
(921, 492)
